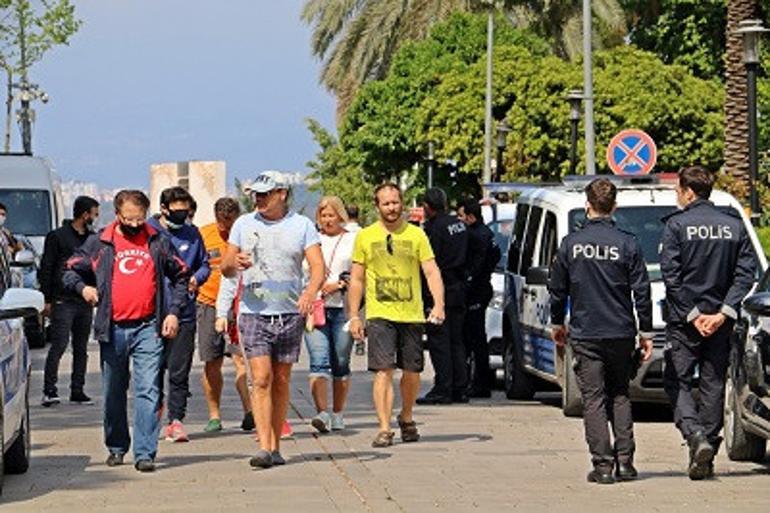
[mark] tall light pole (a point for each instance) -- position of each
(431, 161)
(752, 31)
(588, 88)
(487, 176)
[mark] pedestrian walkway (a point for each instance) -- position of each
(491, 455)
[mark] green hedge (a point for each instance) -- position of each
(764, 238)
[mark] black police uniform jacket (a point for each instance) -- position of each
(483, 256)
(707, 262)
(598, 268)
(448, 238)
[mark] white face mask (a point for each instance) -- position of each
(2, 220)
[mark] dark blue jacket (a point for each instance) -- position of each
(189, 244)
(707, 261)
(599, 268)
(93, 262)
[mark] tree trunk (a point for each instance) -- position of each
(736, 107)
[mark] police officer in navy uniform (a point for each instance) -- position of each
(599, 268)
(449, 239)
(485, 256)
(708, 268)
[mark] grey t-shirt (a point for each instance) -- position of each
(273, 284)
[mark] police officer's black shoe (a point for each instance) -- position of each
(701, 457)
(431, 398)
(460, 397)
(479, 393)
(626, 472)
(601, 474)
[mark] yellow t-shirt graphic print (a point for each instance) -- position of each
(392, 261)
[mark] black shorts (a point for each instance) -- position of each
(395, 345)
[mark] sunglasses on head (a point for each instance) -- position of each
(389, 243)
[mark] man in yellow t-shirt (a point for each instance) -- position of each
(387, 260)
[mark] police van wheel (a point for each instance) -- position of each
(517, 383)
(571, 401)
(739, 443)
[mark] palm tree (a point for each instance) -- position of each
(561, 21)
(736, 107)
(356, 39)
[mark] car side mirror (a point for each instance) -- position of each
(24, 258)
(21, 303)
(758, 304)
(538, 276)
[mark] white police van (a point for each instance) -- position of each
(15, 304)
(544, 217)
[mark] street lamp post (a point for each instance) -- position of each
(575, 98)
(503, 129)
(431, 160)
(588, 88)
(487, 175)
(752, 30)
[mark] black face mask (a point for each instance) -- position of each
(177, 218)
(129, 230)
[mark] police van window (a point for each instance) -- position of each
(502, 231)
(528, 250)
(644, 222)
(548, 244)
(517, 238)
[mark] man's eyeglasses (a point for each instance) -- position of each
(389, 243)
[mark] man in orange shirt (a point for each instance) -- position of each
(211, 343)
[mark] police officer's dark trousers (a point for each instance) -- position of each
(475, 335)
(686, 350)
(447, 353)
(602, 371)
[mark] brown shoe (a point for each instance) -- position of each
(409, 431)
(383, 439)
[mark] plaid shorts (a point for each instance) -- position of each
(277, 336)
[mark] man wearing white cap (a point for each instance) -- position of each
(268, 247)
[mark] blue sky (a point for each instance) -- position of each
(160, 80)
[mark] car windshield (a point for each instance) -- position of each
(29, 211)
(644, 222)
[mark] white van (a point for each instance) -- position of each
(31, 191)
(544, 217)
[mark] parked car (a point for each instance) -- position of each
(543, 218)
(747, 390)
(15, 305)
(31, 190)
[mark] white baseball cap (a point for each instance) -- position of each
(267, 181)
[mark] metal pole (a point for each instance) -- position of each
(588, 89)
(752, 68)
(573, 146)
(430, 164)
(26, 123)
(487, 176)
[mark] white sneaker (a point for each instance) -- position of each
(322, 422)
(338, 423)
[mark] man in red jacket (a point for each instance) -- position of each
(128, 261)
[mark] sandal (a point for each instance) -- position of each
(383, 439)
(409, 431)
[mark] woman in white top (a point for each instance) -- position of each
(329, 346)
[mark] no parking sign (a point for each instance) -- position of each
(632, 152)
